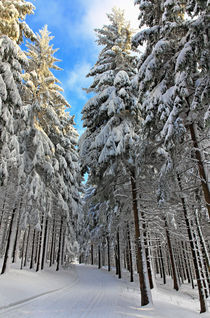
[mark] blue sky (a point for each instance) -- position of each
(72, 24)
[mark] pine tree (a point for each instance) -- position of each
(111, 119)
(52, 132)
(12, 61)
(172, 70)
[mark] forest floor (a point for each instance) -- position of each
(83, 291)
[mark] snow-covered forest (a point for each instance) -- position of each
(132, 192)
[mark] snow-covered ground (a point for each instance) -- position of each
(85, 292)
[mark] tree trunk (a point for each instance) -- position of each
(6, 256)
(44, 243)
(63, 245)
(201, 167)
(108, 254)
(99, 257)
(118, 255)
(52, 243)
(141, 261)
(162, 264)
(173, 265)
(3, 207)
(91, 251)
(116, 261)
(39, 245)
(200, 262)
(23, 249)
(147, 252)
(204, 248)
(14, 252)
(26, 251)
(32, 250)
(130, 254)
(59, 246)
(203, 305)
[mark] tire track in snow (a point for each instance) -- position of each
(19, 304)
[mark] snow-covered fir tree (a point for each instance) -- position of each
(12, 61)
(52, 135)
(39, 159)
(111, 120)
(172, 70)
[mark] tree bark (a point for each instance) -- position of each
(39, 245)
(27, 243)
(59, 246)
(203, 306)
(147, 252)
(118, 255)
(6, 256)
(99, 257)
(141, 261)
(23, 249)
(130, 254)
(108, 254)
(14, 252)
(91, 251)
(201, 168)
(173, 265)
(44, 244)
(162, 264)
(32, 250)
(52, 243)
(63, 245)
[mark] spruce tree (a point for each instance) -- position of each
(111, 120)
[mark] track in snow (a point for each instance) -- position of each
(93, 294)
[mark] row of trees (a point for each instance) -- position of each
(39, 190)
(146, 147)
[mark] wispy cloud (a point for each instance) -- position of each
(77, 80)
(96, 10)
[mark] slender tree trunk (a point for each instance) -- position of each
(204, 249)
(203, 305)
(141, 261)
(27, 243)
(147, 252)
(5, 231)
(185, 262)
(108, 254)
(44, 244)
(130, 254)
(173, 265)
(91, 251)
(118, 255)
(99, 257)
(3, 209)
(59, 245)
(14, 252)
(6, 256)
(200, 263)
(32, 250)
(52, 243)
(201, 167)
(63, 245)
(162, 264)
(23, 249)
(116, 261)
(39, 246)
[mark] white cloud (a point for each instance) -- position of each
(77, 79)
(96, 10)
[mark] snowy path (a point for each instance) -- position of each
(93, 293)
